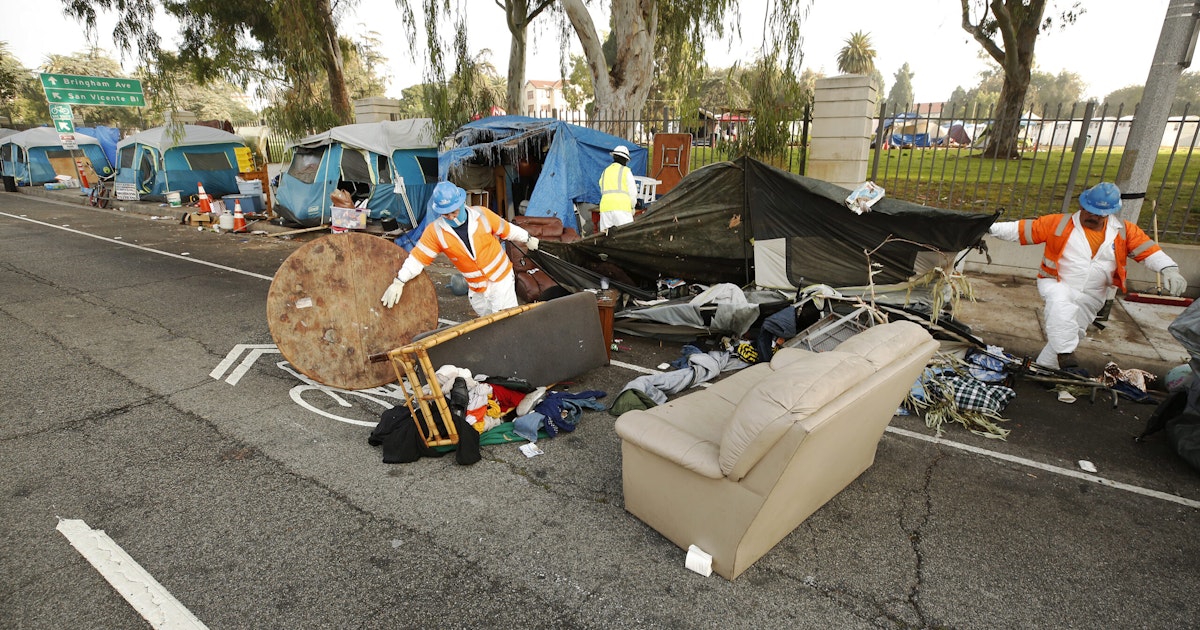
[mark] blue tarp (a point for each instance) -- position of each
(570, 171)
(108, 137)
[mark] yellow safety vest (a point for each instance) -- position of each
(613, 193)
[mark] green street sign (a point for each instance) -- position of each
(64, 120)
(73, 89)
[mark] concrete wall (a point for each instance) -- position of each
(843, 110)
(1010, 258)
(376, 109)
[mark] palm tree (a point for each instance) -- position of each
(857, 56)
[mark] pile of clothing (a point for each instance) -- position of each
(485, 410)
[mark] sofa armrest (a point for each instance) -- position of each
(653, 434)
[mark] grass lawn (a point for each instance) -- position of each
(1032, 186)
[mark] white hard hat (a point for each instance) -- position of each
(621, 151)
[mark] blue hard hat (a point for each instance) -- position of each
(1102, 199)
(447, 198)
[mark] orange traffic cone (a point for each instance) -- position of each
(205, 204)
(239, 219)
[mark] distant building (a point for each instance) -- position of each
(544, 99)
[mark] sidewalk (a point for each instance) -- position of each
(1008, 313)
(150, 208)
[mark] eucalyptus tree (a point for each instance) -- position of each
(621, 87)
(286, 46)
(1008, 31)
(519, 14)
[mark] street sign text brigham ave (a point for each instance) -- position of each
(70, 89)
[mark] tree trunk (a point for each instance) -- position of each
(339, 97)
(516, 75)
(620, 93)
(518, 23)
(1007, 125)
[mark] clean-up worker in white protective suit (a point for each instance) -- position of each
(469, 236)
(1085, 254)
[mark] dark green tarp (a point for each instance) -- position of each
(705, 230)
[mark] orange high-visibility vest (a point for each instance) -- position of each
(485, 262)
(1055, 229)
(614, 194)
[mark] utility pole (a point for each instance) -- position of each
(1176, 45)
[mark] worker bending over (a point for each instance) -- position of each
(469, 236)
(1085, 253)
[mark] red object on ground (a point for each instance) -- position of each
(1167, 300)
(205, 203)
(239, 219)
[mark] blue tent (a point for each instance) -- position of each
(374, 162)
(36, 156)
(159, 160)
(571, 159)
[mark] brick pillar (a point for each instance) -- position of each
(843, 112)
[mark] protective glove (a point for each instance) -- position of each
(1173, 281)
(532, 243)
(393, 293)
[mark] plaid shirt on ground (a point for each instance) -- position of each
(972, 395)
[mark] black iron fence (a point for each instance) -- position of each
(933, 155)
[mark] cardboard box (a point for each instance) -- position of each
(197, 218)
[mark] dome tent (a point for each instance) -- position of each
(37, 156)
(368, 160)
(159, 160)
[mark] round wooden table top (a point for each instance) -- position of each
(325, 316)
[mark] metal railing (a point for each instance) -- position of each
(933, 155)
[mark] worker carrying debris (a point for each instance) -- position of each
(618, 191)
(1085, 254)
(469, 236)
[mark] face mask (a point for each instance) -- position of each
(458, 219)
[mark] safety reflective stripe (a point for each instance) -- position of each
(492, 266)
(1062, 225)
(1028, 225)
(620, 177)
(1142, 248)
(425, 250)
(472, 274)
(615, 194)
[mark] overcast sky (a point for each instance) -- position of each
(1110, 46)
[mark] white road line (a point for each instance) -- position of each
(1066, 472)
(145, 249)
(236, 352)
(139, 588)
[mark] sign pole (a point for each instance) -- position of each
(64, 90)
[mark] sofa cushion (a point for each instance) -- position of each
(787, 356)
(656, 431)
(785, 397)
(885, 343)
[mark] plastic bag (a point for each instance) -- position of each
(863, 197)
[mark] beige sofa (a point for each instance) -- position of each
(736, 467)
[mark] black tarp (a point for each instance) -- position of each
(706, 228)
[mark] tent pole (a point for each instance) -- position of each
(746, 254)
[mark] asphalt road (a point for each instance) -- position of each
(255, 511)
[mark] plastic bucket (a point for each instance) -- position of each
(226, 221)
(173, 198)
